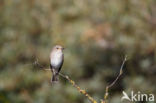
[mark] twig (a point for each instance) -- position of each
(70, 81)
(109, 86)
(78, 88)
(83, 91)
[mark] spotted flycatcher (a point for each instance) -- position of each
(56, 61)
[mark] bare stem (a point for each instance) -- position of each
(83, 91)
(109, 86)
(78, 88)
(70, 81)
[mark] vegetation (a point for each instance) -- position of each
(97, 34)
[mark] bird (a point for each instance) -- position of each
(56, 62)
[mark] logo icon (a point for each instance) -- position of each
(125, 96)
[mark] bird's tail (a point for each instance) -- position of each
(55, 76)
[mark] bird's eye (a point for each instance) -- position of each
(57, 48)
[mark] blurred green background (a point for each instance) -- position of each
(96, 34)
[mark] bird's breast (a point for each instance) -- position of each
(56, 59)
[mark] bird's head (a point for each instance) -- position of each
(58, 48)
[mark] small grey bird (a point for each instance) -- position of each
(56, 61)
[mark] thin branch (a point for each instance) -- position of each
(70, 81)
(109, 86)
(78, 88)
(83, 91)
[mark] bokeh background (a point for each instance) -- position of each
(97, 34)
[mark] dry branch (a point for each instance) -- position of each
(109, 86)
(83, 91)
